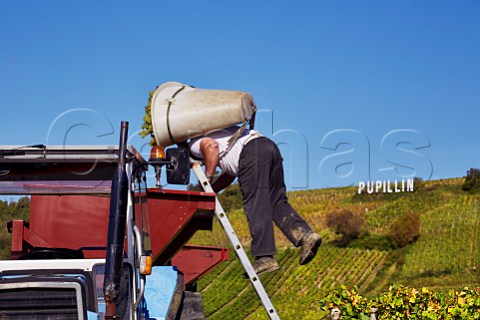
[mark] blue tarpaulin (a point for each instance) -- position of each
(159, 291)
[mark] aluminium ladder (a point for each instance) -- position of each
(241, 254)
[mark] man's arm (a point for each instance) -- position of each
(210, 151)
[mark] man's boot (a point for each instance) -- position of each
(264, 265)
(310, 243)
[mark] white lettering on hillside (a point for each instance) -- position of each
(386, 186)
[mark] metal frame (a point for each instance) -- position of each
(61, 169)
(64, 153)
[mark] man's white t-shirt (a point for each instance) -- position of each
(228, 159)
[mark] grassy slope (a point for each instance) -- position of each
(445, 256)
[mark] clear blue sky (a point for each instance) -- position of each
(333, 79)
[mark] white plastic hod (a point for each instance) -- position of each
(180, 112)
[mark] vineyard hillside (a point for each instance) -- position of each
(443, 256)
(428, 238)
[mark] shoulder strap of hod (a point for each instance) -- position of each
(170, 102)
(234, 138)
(252, 119)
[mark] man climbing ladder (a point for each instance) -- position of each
(257, 163)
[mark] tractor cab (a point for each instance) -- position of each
(58, 259)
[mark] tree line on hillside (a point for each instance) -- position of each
(472, 180)
(8, 211)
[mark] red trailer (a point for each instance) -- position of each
(80, 223)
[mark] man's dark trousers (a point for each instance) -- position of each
(264, 197)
